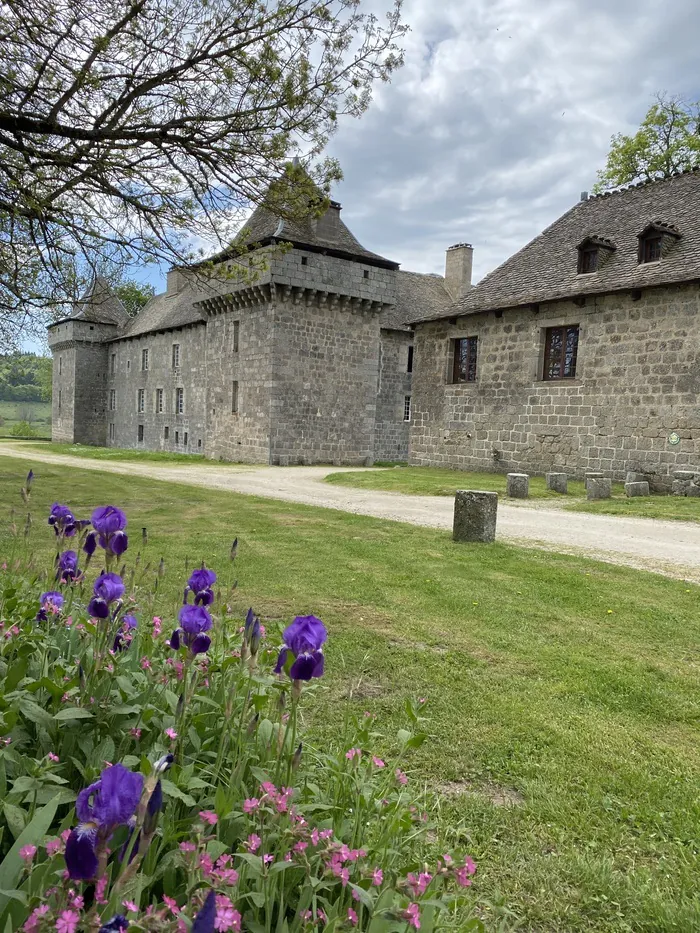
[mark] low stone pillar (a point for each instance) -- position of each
(517, 485)
(632, 490)
(475, 516)
(600, 488)
(557, 482)
(633, 477)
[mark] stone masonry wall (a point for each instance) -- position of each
(186, 431)
(242, 436)
(391, 435)
(637, 382)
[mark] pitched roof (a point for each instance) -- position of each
(417, 296)
(166, 312)
(99, 306)
(546, 269)
(328, 233)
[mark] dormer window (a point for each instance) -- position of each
(592, 253)
(655, 240)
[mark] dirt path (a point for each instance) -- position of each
(671, 548)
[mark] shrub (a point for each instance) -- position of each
(22, 429)
(153, 773)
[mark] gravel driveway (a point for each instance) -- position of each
(671, 548)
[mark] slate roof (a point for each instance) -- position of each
(166, 312)
(546, 269)
(417, 296)
(98, 306)
(264, 226)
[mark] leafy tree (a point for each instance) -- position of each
(133, 295)
(667, 141)
(130, 131)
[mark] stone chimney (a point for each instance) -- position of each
(328, 224)
(458, 270)
(176, 281)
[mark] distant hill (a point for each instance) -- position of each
(25, 377)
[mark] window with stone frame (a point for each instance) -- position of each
(560, 352)
(111, 430)
(176, 356)
(650, 247)
(407, 408)
(60, 365)
(179, 401)
(140, 434)
(140, 401)
(113, 363)
(234, 398)
(464, 359)
(184, 439)
(236, 330)
(112, 399)
(166, 433)
(409, 361)
(159, 401)
(144, 361)
(588, 259)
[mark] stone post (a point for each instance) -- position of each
(475, 516)
(517, 485)
(598, 488)
(557, 482)
(633, 477)
(632, 490)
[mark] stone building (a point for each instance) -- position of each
(581, 352)
(309, 361)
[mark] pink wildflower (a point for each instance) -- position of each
(251, 804)
(171, 733)
(377, 762)
(77, 901)
(156, 626)
(131, 906)
(402, 779)
(306, 915)
(53, 757)
(67, 921)
(353, 753)
(412, 915)
(352, 916)
(171, 903)
(100, 889)
(227, 917)
(187, 847)
(146, 664)
(267, 859)
(135, 732)
(377, 877)
(208, 816)
(315, 837)
(31, 924)
(300, 846)
(253, 842)
(206, 865)
(27, 853)
(464, 873)
(52, 847)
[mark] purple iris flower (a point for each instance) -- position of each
(131, 622)
(194, 622)
(200, 583)
(117, 923)
(303, 638)
(63, 520)
(205, 919)
(67, 568)
(109, 522)
(108, 588)
(101, 807)
(49, 602)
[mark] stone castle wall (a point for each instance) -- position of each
(637, 382)
(394, 384)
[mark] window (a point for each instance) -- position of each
(112, 399)
(128, 365)
(560, 351)
(304, 260)
(177, 438)
(176, 356)
(365, 274)
(166, 433)
(234, 398)
(236, 328)
(199, 442)
(111, 430)
(140, 434)
(60, 398)
(184, 439)
(179, 401)
(407, 408)
(159, 401)
(588, 260)
(650, 248)
(113, 364)
(60, 365)
(409, 363)
(144, 361)
(464, 360)
(140, 400)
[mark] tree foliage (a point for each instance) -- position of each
(668, 141)
(135, 131)
(25, 377)
(133, 295)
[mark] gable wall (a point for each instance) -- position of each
(637, 381)
(394, 384)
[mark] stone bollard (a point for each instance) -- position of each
(633, 477)
(475, 516)
(598, 488)
(632, 490)
(557, 482)
(517, 485)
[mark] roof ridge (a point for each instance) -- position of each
(622, 189)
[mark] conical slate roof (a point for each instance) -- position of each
(100, 306)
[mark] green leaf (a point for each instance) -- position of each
(15, 674)
(172, 790)
(403, 736)
(15, 896)
(265, 729)
(56, 690)
(417, 740)
(12, 864)
(34, 713)
(364, 896)
(16, 818)
(73, 712)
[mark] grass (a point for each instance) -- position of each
(567, 686)
(430, 481)
(116, 453)
(12, 413)
(668, 508)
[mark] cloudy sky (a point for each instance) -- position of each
(501, 116)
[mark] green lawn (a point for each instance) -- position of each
(565, 688)
(669, 508)
(37, 413)
(118, 453)
(431, 481)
